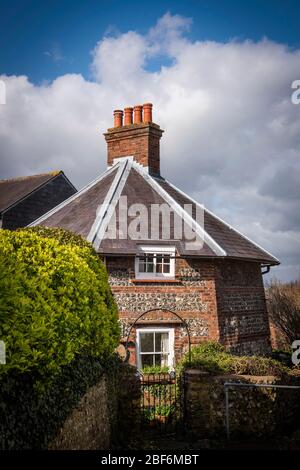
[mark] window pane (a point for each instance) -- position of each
(161, 360)
(141, 267)
(157, 358)
(161, 342)
(147, 342)
(167, 259)
(159, 267)
(150, 267)
(166, 268)
(164, 360)
(146, 360)
(159, 259)
(142, 264)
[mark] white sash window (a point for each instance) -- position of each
(155, 347)
(155, 263)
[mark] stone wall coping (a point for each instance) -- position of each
(196, 372)
(234, 377)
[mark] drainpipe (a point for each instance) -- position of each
(268, 267)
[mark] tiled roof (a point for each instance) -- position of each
(88, 212)
(79, 211)
(233, 242)
(12, 190)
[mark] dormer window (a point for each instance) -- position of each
(155, 262)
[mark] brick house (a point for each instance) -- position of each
(165, 282)
(24, 199)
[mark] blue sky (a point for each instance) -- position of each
(45, 39)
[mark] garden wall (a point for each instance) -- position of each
(105, 416)
(88, 405)
(253, 411)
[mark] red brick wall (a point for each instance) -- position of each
(218, 300)
(139, 140)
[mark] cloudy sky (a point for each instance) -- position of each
(220, 81)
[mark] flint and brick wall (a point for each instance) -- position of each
(192, 296)
(219, 301)
(106, 416)
(242, 313)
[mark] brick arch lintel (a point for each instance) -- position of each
(155, 310)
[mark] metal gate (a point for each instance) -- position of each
(162, 399)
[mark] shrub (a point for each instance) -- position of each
(284, 309)
(212, 357)
(63, 236)
(55, 301)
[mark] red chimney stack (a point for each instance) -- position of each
(139, 138)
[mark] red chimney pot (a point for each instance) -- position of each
(147, 109)
(118, 118)
(128, 116)
(138, 114)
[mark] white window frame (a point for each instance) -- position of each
(156, 250)
(155, 330)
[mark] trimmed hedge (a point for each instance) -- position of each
(55, 301)
(212, 357)
(63, 236)
(59, 321)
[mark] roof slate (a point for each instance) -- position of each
(234, 243)
(12, 190)
(79, 212)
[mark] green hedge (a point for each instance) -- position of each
(55, 301)
(212, 357)
(63, 236)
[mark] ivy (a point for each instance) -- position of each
(31, 415)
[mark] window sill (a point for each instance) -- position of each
(156, 281)
(159, 322)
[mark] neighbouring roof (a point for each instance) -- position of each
(14, 189)
(89, 211)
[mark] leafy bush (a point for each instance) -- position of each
(63, 236)
(55, 301)
(212, 357)
(154, 413)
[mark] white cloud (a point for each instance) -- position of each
(232, 132)
(55, 53)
